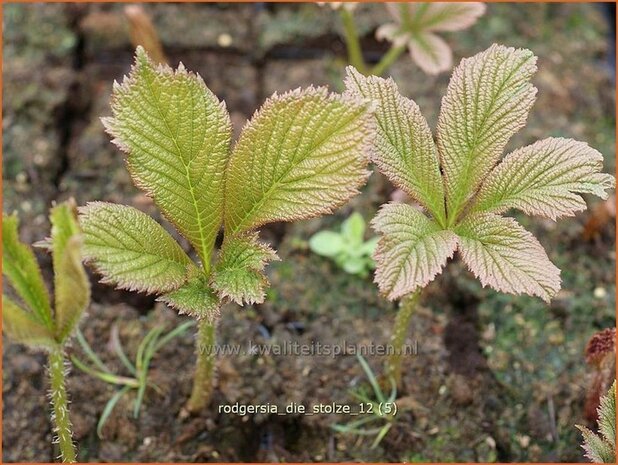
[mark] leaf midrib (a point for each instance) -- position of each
(204, 252)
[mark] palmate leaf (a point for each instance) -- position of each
(503, 255)
(417, 24)
(22, 272)
(404, 148)
(487, 101)
(71, 284)
(238, 274)
(301, 155)
(132, 250)
(544, 179)
(22, 326)
(412, 249)
(177, 136)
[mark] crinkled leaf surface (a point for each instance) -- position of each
(238, 274)
(177, 136)
(607, 415)
(132, 250)
(503, 255)
(544, 179)
(22, 271)
(301, 155)
(22, 325)
(487, 101)
(411, 251)
(597, 450)
(404, 148)
(195, 298)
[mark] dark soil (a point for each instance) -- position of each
(496, 378)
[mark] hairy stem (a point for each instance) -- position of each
(60, 406)
(205, 368)
(387, 60)
(350, 34)
(402, 322)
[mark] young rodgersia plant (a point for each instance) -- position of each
(415, 28)
(463, 186)
(32, 320)
(300, 156)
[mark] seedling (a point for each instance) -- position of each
(300, 156)
(348, 248)
(602, 448)
(138, 379)
(31, 320)
(463, 187)
(415, 29)
(378, 408)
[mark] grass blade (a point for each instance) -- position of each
(90, 353)
(109, 407)
(104, 376)
(117, 346)
(372, 379)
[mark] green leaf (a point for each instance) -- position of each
(597, 450)
(23, 273)
(72, 290)
(503, 255)
(544, 179)
(404, 148)
(354, 265)
(71, 284)
(411, 251)
(22, 326)
(195, 298)
(177, 136)
(109, 407)
(326, 243)
(369, 247)
(487, 101)
(63, 218)
(131, 250)
(303, 154)
(353, 229)
(238, 272)
(607, 415)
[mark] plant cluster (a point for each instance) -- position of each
(300, 156)
(303, 154)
